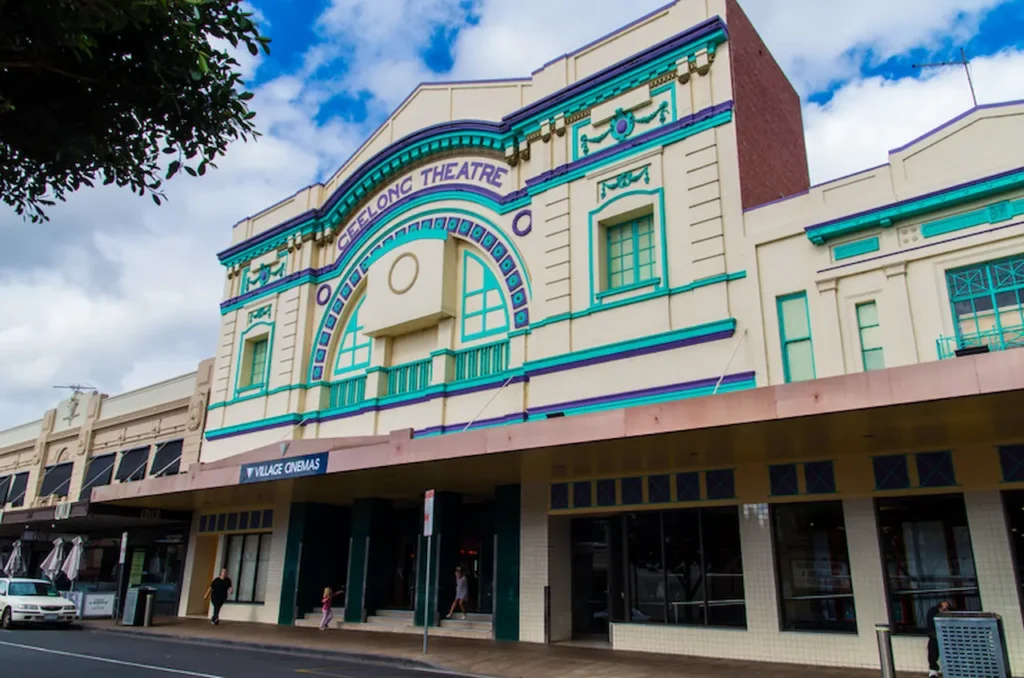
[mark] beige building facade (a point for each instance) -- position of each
(670, 397)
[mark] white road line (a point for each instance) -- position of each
(147, 667)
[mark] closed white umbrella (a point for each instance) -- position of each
(51, 565)
(73, 563)
(16, 563)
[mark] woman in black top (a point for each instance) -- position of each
(220, 589)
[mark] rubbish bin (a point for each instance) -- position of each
(135, 606)
(972, 645)
(150, 604)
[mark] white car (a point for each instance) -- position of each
(33, 601)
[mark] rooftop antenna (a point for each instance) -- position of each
(964, 62)
(76, 391)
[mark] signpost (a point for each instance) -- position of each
(428, 532)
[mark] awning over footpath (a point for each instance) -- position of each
(966, 400)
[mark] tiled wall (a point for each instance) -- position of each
(762, 640)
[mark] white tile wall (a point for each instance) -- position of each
(533, 566)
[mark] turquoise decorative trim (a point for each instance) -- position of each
(625, 180)
(593, 225)
(256, 389)
(653, 282)
(488, 283)
(615, 351)
(786, 338)
(481, 361)
(669, 87)
(884, 217)
(409, 377)
(405, 239)
(265, 274)
(351, 353)
(622, 125)
(848, 250)
(261, 312)
(991, 214)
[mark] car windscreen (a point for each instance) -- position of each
(32, 588)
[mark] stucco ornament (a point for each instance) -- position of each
(197, 410)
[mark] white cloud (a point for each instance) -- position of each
(867, 118)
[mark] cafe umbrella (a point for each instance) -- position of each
(51, 565)
(73, 563)
(16, 563)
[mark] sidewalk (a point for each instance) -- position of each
(501, 660)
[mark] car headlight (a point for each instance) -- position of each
(69, 608)
(26, 608)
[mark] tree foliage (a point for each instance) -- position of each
(127, 92)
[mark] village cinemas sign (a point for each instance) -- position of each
(486, 174)
(297, 467)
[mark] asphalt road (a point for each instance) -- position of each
(76, 653)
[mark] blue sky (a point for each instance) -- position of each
(138, 286)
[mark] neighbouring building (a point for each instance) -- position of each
(669, 395)
(49, 467)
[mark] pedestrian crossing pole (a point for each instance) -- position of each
(428, 532)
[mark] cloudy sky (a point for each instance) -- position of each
(118, 293)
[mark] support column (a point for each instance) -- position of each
(560, 577)
(533, 576)
(993, 562)
(507, 516)
(363, 592)
(290, 573)
(827, 335)
(894, 312)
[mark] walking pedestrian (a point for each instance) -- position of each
(220, 589)
(933, 639)
(328, 597)
(461, 593)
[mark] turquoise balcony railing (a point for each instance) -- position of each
(996, 339)
(481, 361)
(414, 376)
(348, 392)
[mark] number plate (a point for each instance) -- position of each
(50, 617)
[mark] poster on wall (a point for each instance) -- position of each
(138, 562)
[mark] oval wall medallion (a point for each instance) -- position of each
(523, 229)
(404, 271)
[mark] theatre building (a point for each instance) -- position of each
(49, 468)
(671, 397)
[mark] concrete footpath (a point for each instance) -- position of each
(480, 658)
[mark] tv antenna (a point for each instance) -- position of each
(76, 391)
(963, 62)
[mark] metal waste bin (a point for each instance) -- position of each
(972, 645)
(150, 604)
(135, 606)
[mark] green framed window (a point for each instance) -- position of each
(795, 333)
(630, 251)
(257, 372)
(354, 349)
(484, 311)
(870, 337)
(987, 300)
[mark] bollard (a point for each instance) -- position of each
(884, 636)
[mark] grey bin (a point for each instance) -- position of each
(136, 610)
(972, 645)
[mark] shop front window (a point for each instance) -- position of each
(813, 565)
(247, 561)
(927, 558)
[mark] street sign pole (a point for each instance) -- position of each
(428, 532)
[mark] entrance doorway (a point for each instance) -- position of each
(403, 550)
(476, 555)
(597, 596)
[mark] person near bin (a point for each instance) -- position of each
(933, 639)
(217, 594)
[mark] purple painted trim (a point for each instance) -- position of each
(480, 81)
(623, 147)
(955, 120)
(921, 247)
(325, 287)
(515, 417)
(691, 34)
(643, 350)
(522, 232)
(642, 393)
(893, 205)
(604, 37)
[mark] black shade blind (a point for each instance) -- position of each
(56, 480)
(99, 473)
(18, 487)
(133, 464)
(5, 486)
(167, 460)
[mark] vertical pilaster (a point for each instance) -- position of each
(507, 528)
(533, 576)
(896, 314)
(826, 333)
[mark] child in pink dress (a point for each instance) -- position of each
(329, 596)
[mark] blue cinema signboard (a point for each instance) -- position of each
(296, 467)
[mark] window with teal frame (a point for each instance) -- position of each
(484, 311)
(256, 373)
(630, 252)
(795, 333)
(870, 336)
(354, 348)
(988, 305)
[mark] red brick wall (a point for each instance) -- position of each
(769, 124)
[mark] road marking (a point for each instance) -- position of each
(111, 661)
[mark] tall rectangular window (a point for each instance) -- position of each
(19, 487)
(257, 362)
(813, 565)
(927, 558)
(247, 559)
(988, 303)
(684, 567)
(630, 252)
(870, 336)
(795, 333)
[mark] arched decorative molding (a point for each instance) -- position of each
(443, 223)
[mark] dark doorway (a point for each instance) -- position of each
(476, 555)
(403, 549)
(1013, 505)
(596, 576)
